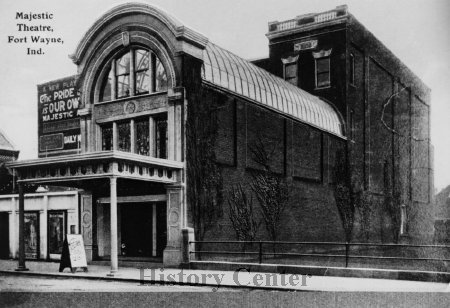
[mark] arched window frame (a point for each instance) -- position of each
(111, 75)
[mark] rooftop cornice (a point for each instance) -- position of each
(308, 22)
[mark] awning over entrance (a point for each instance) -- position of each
(109, 165)
(95, 165)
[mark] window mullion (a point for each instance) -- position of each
(151, 137)
(132, 74)
(115, 136)
(114, 81)
(132, 136)
(152, 68)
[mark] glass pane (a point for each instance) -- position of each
(161, 138)
(56, 230)
(106, 90)
(142, 60)
(323, 65)
(292, 80)
(123, 65)
(31, 230)
(107, 138)
(323, 79)
(142, 82)
(142, 137)
(124, 140)
(161, 77)
(123, 85)
(291, 70)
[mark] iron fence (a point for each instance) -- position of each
(263, 251)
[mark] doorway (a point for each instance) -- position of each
(4, 235)
(143, 229)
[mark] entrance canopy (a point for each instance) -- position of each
(95, 165)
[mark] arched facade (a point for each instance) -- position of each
(134, 53)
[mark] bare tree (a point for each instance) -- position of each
(272, 191)
(273, 195)
(241, 214)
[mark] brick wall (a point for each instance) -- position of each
(402, 140)
(304, 154)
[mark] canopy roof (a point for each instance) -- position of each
(5, 143)
(226, 70)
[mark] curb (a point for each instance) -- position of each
(149, 281)
(392, 274)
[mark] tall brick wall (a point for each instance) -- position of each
(403, 140)
(265, 132)
(305, 155)
(379, 143)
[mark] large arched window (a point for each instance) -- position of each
(138, 71)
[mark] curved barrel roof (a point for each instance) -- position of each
(226, 70)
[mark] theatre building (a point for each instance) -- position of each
(159, 120)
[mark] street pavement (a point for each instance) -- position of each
(22, 283)
(178, 279)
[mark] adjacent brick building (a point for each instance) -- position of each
(169, 123)
(386, 109)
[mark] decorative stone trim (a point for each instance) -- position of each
(289, 60)
(125, 38)
(322, 53)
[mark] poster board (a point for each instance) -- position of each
(58, 119)
(32, 240)
(73, 254)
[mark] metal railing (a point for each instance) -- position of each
(261, 252)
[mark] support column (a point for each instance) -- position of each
(13, 229)
(87, 228)
(171, 131)
(172, 253)
(175, 122)
(43, 228)
(85, 128)
(113, 214)
(154, 237)
(21, 266)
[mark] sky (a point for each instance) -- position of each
(416, 31)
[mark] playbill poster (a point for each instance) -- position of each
(56, 231)
(32, 235)
(78, 86)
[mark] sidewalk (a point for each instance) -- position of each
(233, 279)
